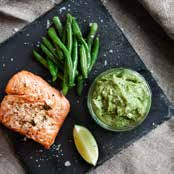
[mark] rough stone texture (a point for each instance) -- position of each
(153, 153)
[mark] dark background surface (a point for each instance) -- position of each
(116, 51)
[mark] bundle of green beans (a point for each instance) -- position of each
(67, 54)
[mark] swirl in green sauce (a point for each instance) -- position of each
(121, 98)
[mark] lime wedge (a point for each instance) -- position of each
(85, 144)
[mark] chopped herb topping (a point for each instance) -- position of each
(44, 118)
(46, 107)
(33, 122)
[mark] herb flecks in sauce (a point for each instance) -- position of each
(121, 98)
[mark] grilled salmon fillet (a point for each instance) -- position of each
(33, 108)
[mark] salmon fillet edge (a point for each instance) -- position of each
(33, 108)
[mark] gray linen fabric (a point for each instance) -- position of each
(137, 158)
(15, 14)
(163, 12)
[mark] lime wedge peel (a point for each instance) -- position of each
(86, 144)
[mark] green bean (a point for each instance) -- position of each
(65, 87)
(83, 61)
(59, 52)
(76, 28)
(59, 28)
(40, 59)
(56, 40)
(64, 35)
(75, 57)
(53, 69)
(95, 51)
(87, 52)
(48, 44)
(58, 25)
(91, 35)
(51, 56)
(48, 53)
(66, 49)
(80, 82)
(78, 34)
(45, 50)
(69, 32)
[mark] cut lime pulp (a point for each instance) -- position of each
(86, 144)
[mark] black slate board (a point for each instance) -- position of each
(115, 52)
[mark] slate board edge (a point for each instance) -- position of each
(126, 145)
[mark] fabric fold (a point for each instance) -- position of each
(163, 12)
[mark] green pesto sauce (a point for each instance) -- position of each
(121, 98)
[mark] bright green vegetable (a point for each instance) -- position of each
(95, 51)
(65, 87)
(64, 35)
(91, 35)
(78, 34)
(59, 53)
(75, 57)
(56, 40)
(76, 28)
(58, 25)
(49, 45)
(80, 81)
(53, 69)
(40, 59)
(68, 51)
(51, 56)
(83, 61)
(59, 28)
(69, 32)
(48, 53)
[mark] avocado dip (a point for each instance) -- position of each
(120, 98)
